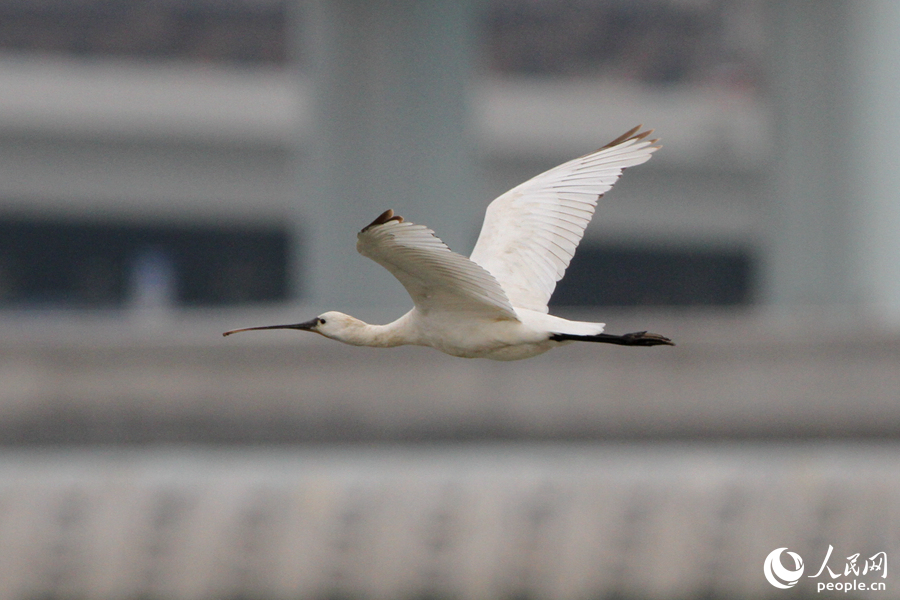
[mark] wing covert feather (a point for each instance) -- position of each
(436, 278)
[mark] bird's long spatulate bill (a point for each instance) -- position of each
(305, 326)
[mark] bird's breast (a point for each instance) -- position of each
(475, 337)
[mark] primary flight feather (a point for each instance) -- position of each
(494, 303)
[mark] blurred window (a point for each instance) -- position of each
(199, 30)
(607, 275)
(649, 41)
(89, 264)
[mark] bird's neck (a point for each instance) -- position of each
(393, 334)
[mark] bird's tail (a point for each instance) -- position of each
(638, 338)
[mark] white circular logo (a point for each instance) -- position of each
(775, 572)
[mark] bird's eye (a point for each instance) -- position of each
(321, 321)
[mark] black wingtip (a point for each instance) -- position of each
(383, 218)
(631, 134)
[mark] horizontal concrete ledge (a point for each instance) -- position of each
(93, 379)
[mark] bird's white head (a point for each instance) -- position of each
(332, 324)
(337, 326)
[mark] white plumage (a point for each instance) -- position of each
(494, 303)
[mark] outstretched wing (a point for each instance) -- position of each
(530, 233)
(436, 278)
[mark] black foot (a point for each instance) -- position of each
(638, 338)
(642, 338)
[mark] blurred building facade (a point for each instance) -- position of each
(215, 136)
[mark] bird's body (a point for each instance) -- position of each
(474, 336)
(494, 303)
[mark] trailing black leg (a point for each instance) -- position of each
(638, 338)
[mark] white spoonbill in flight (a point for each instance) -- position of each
(494, 303)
